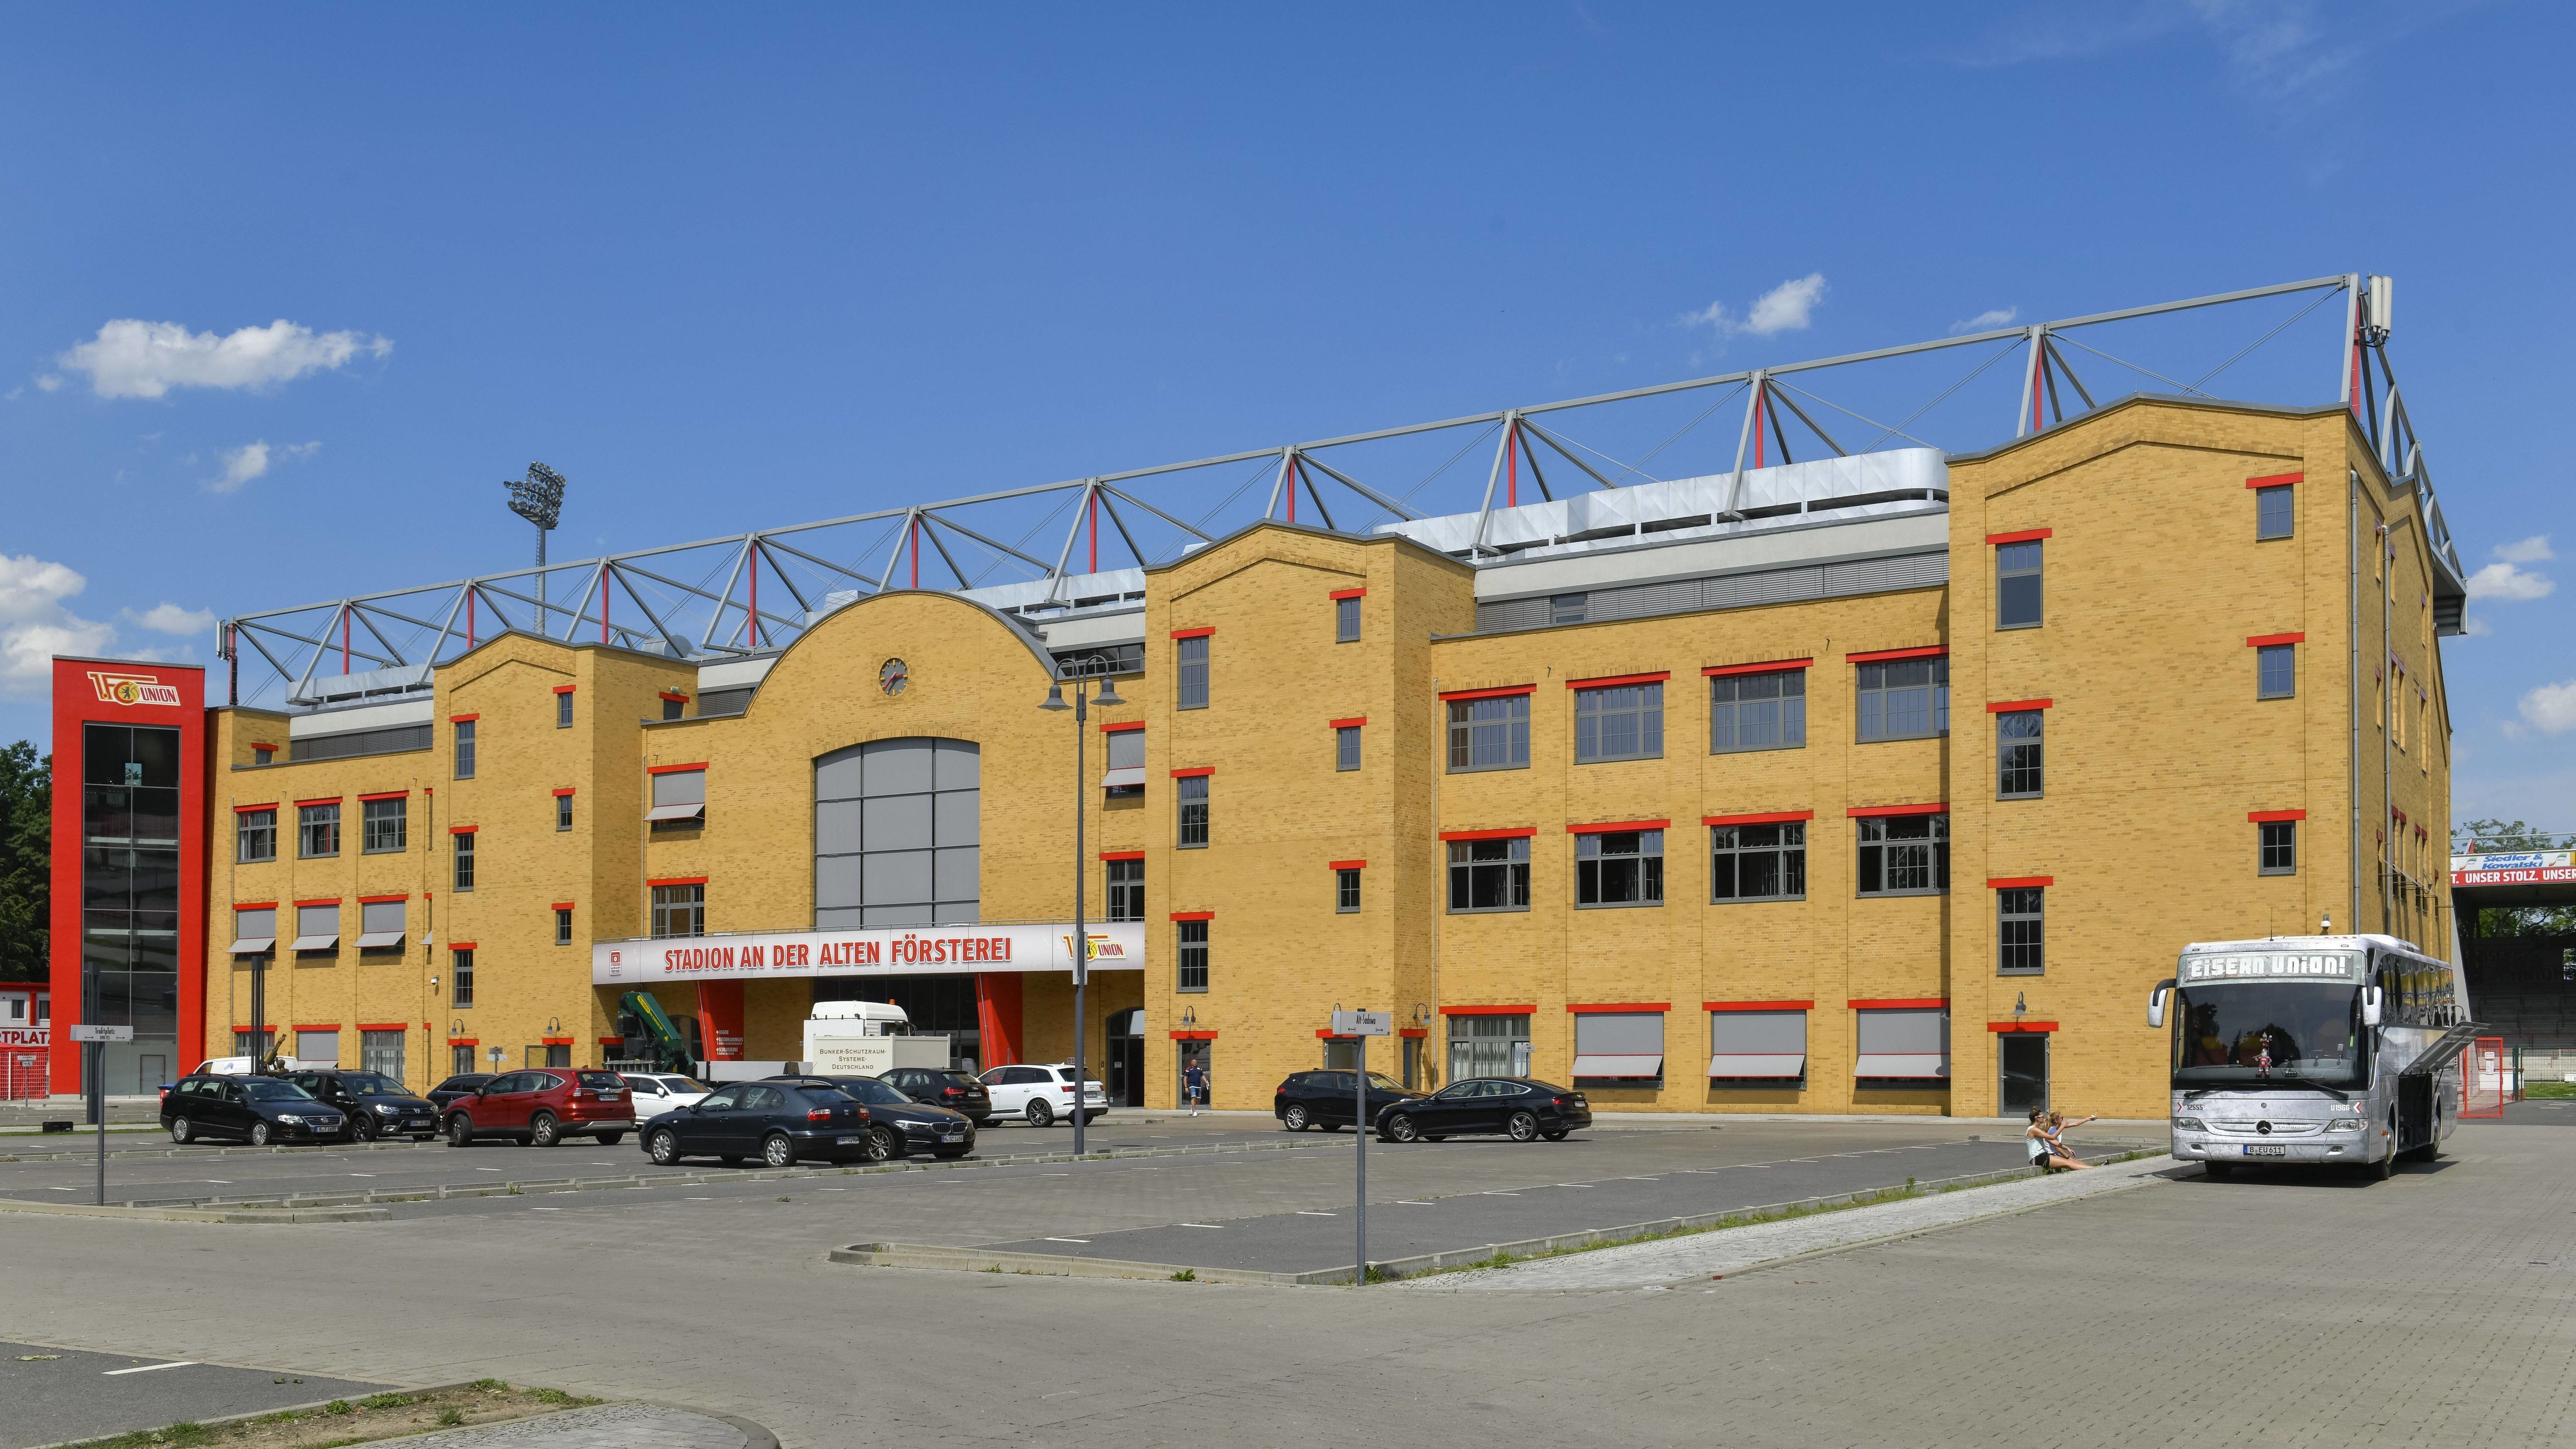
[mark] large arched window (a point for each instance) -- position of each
(896, 834)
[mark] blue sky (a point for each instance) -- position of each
(729, 272)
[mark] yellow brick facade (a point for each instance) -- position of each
(2157, 752)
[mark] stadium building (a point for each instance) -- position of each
(1881, 781)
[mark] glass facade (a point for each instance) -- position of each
(130, 898)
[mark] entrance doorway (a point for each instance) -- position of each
(1201, 1052)
(1126, 1034)
(2025, 1071)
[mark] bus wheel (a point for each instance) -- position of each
(2219, 1171)
(2386, 1167)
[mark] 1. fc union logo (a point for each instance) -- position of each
(132, 689)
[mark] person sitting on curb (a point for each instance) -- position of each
(2047, 1139)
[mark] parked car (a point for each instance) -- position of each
(943, 1087)
(542, 1108)
(901, 1124)
(258, 1110)
(460, 1085)
(1324, 1099)
(778, 1121)
(1042, 1094)
(658, 1092)
(1519, 1107)
(375, 1104)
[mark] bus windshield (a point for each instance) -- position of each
(2239, 1034)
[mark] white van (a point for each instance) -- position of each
(865, 1038)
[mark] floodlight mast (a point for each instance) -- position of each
(538, 499)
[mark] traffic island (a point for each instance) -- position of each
(391, 1415)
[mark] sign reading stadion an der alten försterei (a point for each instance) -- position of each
(894, 951)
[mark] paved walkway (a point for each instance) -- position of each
(607, 1426)
(1733, 1250)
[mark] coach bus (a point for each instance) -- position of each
(2313, 1050)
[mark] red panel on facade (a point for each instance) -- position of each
(1604, 829)
(1349, 593)
(1487, 1010)
(1354, 722)
(2259, 816)
(1120, 729)
(2018, 882)
(1887, 1003)
(1757, 1006)
(1596, 1006)
(1505, 834)
(1864, 812)
(2026, 535)
(1773, 666)
(1192, 633)
(997, 1015)
(2276, 480)
(2021, 1026)
(239, 809)
(2017, 705)
(677, 880)
(1759, 817)
(1346, 865)
(674, 769)
(1193, 770)
(1185, 916)
(1613, 681)
(1120, 855)
(388, 795)
(1873, 656)
(1495, 693)
(2257, 641)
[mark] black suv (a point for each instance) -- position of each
(258, 1110)
(460, 1085)
(376, 1105)
(780, 1121)
(943, 1087)
(899, 1125)
(1324, 1099)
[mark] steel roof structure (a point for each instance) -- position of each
(703, 601)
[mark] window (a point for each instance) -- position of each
(2019, 934)
(2274, 513)
(1489, 875)
(1346, 747)
(2017, 732)
(1346, 891)
(679, 799)
(1194, 810)
(2017, 585)
(563, 810)
(1126, 889)
(460, 1058)
(462, 842)
(1566, 608)
(1757, 1045)
(382, 1052)
(1757, 711)
(383, 824)
(1623, 722)
(2276, 671)
(317, 927)
(254, 931)
(1904, 855)
(464, 749)
(679, 910)
(563, 925)
(898, 834)
(2280, 847)
(673, 707)
(1622, 1048)
(1489, 1046)
(1126, 777)
(1905, 699)
(1194, 955)
(381, 924)
(1758, 862)
(1194, 672)
(254, 836)
(563, 709)
(263, 754)
(1619, 868)
(460, 979)
(317, 831)
(253, 1043)
(1903, 1043)
(1346, 620)
(1489, 734)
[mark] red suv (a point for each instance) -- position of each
(543, 1107)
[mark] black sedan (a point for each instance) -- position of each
(376, 1105)
(943, 1087)
(1326, 1099)
(900, 1126)
(1518, 1107)
(460, 1085)
(779, 1121)
(257, 1110)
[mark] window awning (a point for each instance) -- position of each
(254, 945)
(695, 811)
(317, 943)
(1901, 1064)
(1758, 1064)
(379, 940)
(1608, 1066)
(1123, 775)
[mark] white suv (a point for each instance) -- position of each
(656, 1094)
(1042, 1094)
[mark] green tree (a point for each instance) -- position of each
(26, 861)
(2494, 836)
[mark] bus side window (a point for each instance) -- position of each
(2392, 1005)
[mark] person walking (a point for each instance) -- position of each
(1194, 1084)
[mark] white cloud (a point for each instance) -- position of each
(2551, 709)
(1990, 318)
(36, 625)
(2504, 581)
(1785, 308)
(2476, 628)
(251, 460)
(169, 618)
(133, 358)
(2534, 549)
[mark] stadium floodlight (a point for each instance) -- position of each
(539, 499)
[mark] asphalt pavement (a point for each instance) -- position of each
(49, 1395)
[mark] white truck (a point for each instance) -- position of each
(865, 1039)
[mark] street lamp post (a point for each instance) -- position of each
(1080, 944)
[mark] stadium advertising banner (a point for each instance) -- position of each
(2532, 867)
(894, 951)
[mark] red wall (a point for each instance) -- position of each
(107, 691)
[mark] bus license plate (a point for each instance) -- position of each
(2254, 1150)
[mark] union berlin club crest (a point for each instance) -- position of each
(132, 689)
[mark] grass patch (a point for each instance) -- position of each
(1186, 1275)
(2549, 1089)
(365, 1420)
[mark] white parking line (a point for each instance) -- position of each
(227, 1182)
(1219, 1226)
(1068, 955)
(1066, 1240)
(1301, 1212)
(149, 1367)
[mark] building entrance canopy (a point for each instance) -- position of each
(889, 951)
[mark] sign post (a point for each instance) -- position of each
(94, 1040)
(1359, 1026)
